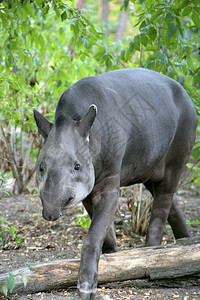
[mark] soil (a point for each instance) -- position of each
(44, 241)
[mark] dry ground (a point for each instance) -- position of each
(44, 241)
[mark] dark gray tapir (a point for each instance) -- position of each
(123, 127)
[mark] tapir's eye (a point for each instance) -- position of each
(77, 167)
(41, 168)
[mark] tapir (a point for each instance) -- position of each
(115, 129)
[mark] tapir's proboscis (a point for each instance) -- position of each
(111, 130)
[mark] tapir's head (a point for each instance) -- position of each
(65, 172)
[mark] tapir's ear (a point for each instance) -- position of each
(43, 125)
(85, 124)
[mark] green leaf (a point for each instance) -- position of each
(152, 33)
(144, 40)
(195, 18)
(57, 12)
(161, 58)
(172, 29)
(125, 4)
(45, 9)
(88, 223)
(5, 289)
(169, 18)
(196, 78)
(170, 72)
(137, 43)
(156, 15)
(75, 28)
(195, 222)
(179, 26)
(187, 10)
(142, 26)
(64, 16)
(10, 282)
(108, 62)
(25, 280)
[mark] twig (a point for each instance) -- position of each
(14, 165)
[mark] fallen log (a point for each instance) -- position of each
(152, 262)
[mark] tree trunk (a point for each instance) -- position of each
(121, 29)
(80, 4)
(105, 14)
(153, 263)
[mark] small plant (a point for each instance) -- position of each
(8, 235)
(195, 176)
(3, 180)
(193, 222)
(8, 284)
(83, 221)
(139, 205)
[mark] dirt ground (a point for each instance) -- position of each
(44, 241)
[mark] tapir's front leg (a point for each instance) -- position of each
(104, 205)
(110, 243)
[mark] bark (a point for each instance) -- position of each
(80, 4)
(105, 14)
(152, 262)
(121, 29)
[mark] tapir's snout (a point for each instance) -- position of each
(53, 205)
(51, 216)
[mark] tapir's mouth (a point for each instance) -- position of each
(52, 213)
(51, 217)
(67, 202)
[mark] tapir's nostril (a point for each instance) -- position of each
(52, 217)
(46, 217)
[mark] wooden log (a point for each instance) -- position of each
(152, 262)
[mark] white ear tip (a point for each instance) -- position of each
(94, 107)
(33, 109)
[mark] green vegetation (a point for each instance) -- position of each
(9, 283)
(84, 221)
(46, 46)
(8, 235)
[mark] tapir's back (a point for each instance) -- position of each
(146, 93)
(139, 112)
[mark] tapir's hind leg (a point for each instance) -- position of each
(159, 214)
(110, 243)
(164, 208)
(177, 221)
(175, 217)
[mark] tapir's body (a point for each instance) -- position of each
(143, 132)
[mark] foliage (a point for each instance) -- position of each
(39, 61)
(139, 207)
(83, 221)
(3, 180)
(195, 178)
(195, 222)
(168, 41)
(8, 235)
(8, 284)
(194, 165)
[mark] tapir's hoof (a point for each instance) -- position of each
(92, 296)
(86, 295)
(86, 292)
(102, 297)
